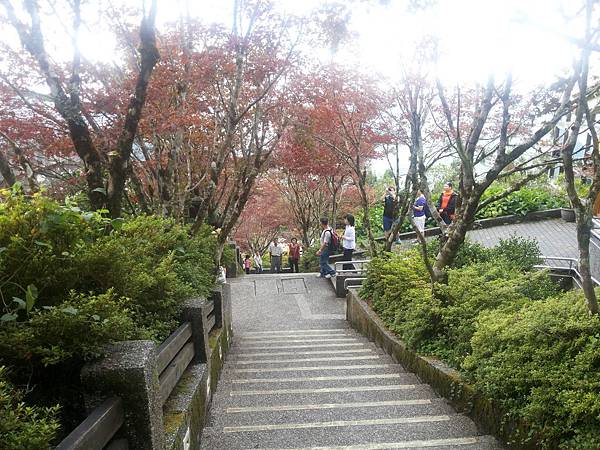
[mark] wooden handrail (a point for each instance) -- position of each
(173, 373)
(97, 429)
(172, 345)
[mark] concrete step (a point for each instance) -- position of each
(336, 434)
(316, 370)
(324, 412)
(317, 381)
(367, 393)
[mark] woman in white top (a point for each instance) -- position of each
(348, 241)
(258, 262)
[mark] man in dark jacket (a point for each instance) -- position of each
(389, 210)
(447, 203)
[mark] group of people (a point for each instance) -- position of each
(446, 206)
(329, 240)
(276, 251)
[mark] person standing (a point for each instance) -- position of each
(419, 211)
(257, 262)
(325, 249)
(389, 210)
(447, 204)
(276, 251)
(348, 241)
(247, 264)
(294, 255)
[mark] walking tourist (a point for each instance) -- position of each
(247, 264)
(389, 210)
(327, 243)
(419, 211)
(275, 250)
(257, 262)
(447, 203)
(294, 255)
(348, 240)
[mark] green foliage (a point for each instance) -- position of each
(400, 293)
(508, 329)
(476, 288)
(76, 329)
(73, 281)
(154, 262)
(309, 262)
(542, 362)
(21, 426)
(527, 199)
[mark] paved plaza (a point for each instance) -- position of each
(298, 377)
(555, 237)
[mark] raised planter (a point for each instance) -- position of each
(447, 382)
(567, 214)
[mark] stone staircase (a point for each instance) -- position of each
(327, 389)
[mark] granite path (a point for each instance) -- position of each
(298, 377)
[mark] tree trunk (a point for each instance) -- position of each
(119, 159)
(456, 237)
(6, 171)
(367, 219)
(584, 227)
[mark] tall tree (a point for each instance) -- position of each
(584, 120)
(66, 97)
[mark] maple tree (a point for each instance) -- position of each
(65, 86)
(341, 113)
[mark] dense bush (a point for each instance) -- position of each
(21, 426)
(510, 331)
(542, 361)
(525, 200)
(309, 262)
(153, 262)
(476, 288)
(73, 281)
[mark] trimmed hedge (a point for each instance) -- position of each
(509, 330)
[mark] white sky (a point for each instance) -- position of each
(477, 37)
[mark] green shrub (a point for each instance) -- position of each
(481, 287)
(21, 426)
(399, 290)
(525, 200)
(40, 242)
(309, 262)
(77, 329)
(542, 361)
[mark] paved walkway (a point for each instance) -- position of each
(298, 377)
(555, 237)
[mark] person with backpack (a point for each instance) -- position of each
(329, 243)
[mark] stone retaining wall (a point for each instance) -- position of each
(488, 415)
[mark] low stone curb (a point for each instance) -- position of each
(487, 414)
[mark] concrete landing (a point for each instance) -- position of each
(298, 377)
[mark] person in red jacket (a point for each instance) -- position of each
(294, 255)
(447, 203)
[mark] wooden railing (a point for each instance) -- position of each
(96, 431)
(173, 357)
